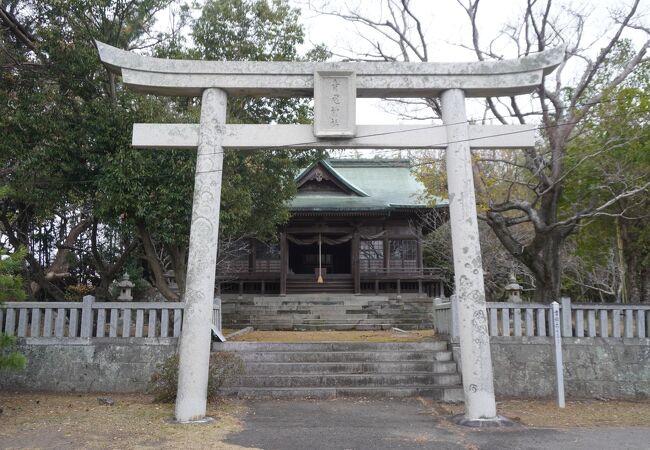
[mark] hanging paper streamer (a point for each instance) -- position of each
(320, 261)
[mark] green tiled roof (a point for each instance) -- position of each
(376, 185)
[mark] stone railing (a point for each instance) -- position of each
(534, 319)
(442, 316)
(96, 319)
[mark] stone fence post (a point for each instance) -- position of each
(455, 326)
(216, 313)
(87, 316)
(567, 326)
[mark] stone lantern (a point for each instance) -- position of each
(170, 278)
(125, 286)
(513, 290)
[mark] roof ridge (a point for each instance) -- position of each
(370, 162)
(325, 163)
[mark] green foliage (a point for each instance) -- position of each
(9, 357)
(66, 122)
(11, 289)
(11, 283)
(224, 370)
(155, 187)
(61, 115)
(255, 30)
(76, 292)
(610, 156)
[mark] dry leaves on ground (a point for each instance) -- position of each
(578, 413)
(133, 421)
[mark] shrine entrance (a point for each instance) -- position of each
(335, 87)
(335, 256)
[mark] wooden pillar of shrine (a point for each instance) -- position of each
(356, 270)
(420, 258)
(252, 256)
(386, 251)
(284, 263)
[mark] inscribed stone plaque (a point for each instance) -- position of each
(335, 96)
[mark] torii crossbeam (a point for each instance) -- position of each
(335, 87)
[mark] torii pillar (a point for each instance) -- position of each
(478, 384)
(191, 397)
(335, 87)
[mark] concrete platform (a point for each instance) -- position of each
(328, 311)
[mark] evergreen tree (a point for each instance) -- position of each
(11, 289)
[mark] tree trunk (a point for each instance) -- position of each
(107, 272)
(645, 285)
(154, 263)
(632, 258)
(58, 270)
(179, 262)
(18, 235)
(622, 292)
(548, 271)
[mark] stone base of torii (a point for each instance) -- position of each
(335, 87)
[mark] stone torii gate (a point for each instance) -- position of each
(335, 87)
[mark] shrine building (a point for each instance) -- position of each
(364, 217)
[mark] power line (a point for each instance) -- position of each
(418, 129)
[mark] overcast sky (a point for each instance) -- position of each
(445, 25)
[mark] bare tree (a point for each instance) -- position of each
(594, 282)
(534, 195)
(498, 263)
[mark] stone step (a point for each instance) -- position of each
(303, 318)
(351, 327)
(271, 368)
(319, 323)
(449, 394)
(342, 320)
(330, 318)
(318, 298)
(333, 369)
(349, 380)
(290, 326)
(320, 311)
(315, 357)
(307, 312)
(333, 316)
(296, 326)
(407, 298)
(429, 347)
(304, 305)
(342, 306)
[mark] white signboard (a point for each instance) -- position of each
(335, 96)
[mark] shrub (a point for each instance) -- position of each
(11, 289)
(76, 292)
(225, 369)
(9, 357)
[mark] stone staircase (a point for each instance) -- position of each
(346, 369)
(313, 312)
(332, 284)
